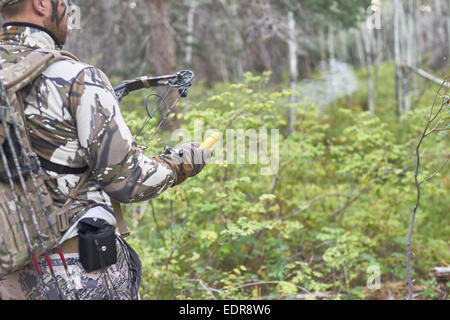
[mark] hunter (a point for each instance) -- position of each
(75, 126)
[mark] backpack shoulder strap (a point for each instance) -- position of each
(18, 76)
(22, 73)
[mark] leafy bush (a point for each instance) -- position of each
(339, 203)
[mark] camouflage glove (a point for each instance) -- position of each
(186, 159)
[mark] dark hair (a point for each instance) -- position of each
(9, 11)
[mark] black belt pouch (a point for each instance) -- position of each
(97, 244)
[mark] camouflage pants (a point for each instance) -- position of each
(118, 281)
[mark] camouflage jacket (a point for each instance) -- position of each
(74, 120)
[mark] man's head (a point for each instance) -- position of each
(50, 14)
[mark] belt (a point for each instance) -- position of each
(69, 246)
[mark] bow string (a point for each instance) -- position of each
(180, 81)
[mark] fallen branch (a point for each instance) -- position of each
(442, 273)
(318, 295)
(208, 289)
(429, 76)
(252, 284)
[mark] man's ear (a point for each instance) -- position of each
(41, 7)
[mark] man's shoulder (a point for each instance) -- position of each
(70, 70)
(67, 69)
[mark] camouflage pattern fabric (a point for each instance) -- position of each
(118, 282)
(74, 120)
(192, 161)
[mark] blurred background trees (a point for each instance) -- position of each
(222, 39)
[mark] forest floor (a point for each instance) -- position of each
(399, 291)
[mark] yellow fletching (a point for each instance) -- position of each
(210, 141)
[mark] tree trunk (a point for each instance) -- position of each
(190, 33)
(343, 46)
(410, 54)
(440, 31)
(254, 42)
(323, 50)
(293, 64)
(419, 44)
(164, 51)
(331, 43)
(379, 55)
(332, 63)
(448, 30)
(370, 84)
(397, 55)
(359, 47)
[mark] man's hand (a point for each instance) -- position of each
(188, 160)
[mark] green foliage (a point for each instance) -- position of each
(339, 203)
(429, 291)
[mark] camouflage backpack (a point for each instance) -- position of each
(28, 217)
